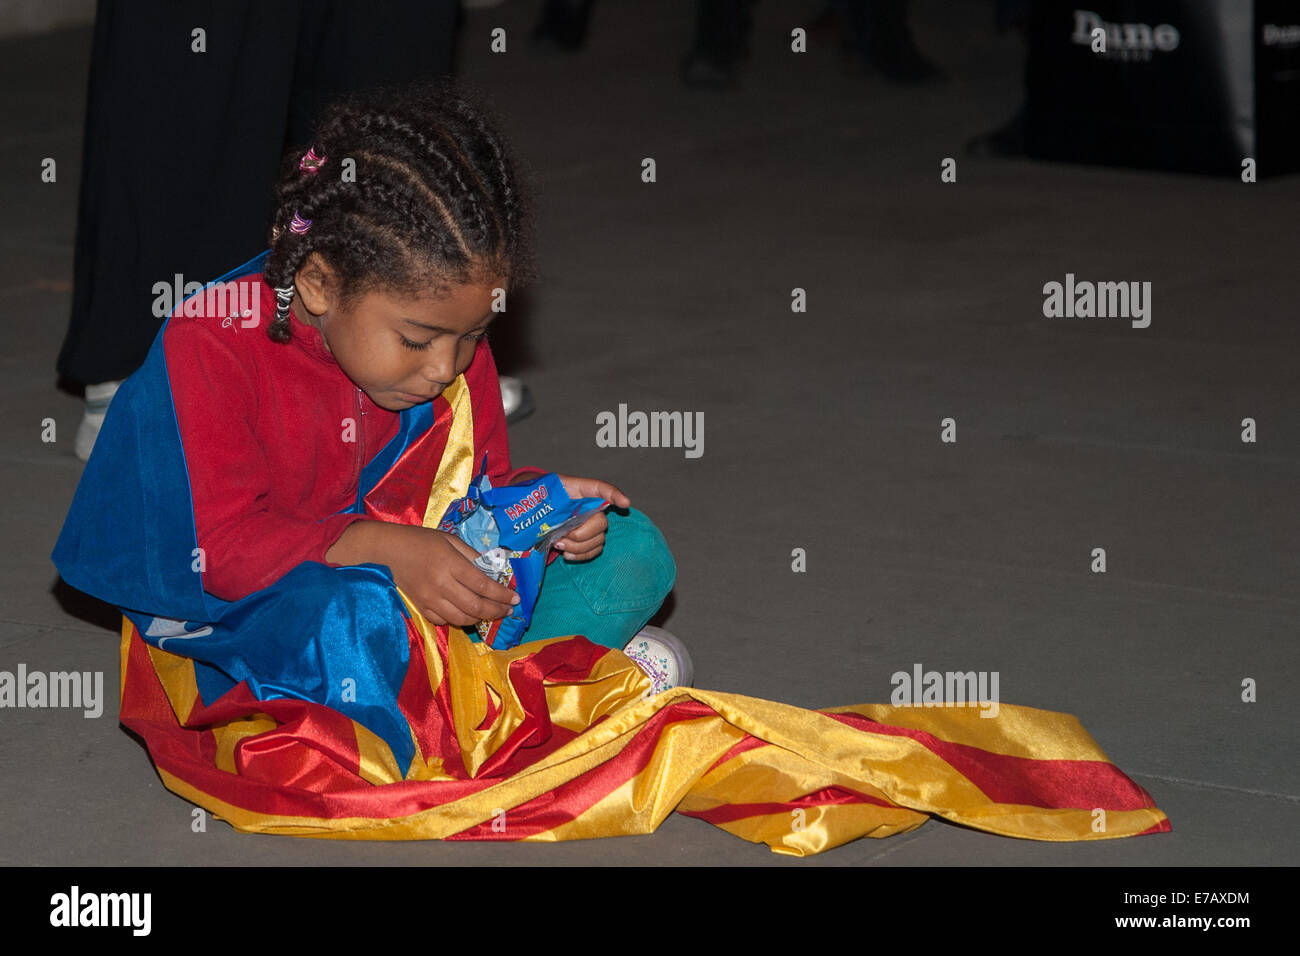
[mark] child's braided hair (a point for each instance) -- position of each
(436, 199)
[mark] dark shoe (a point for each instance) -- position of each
(904, 64)
(700, 72)
(564, 25)
(1007, 140)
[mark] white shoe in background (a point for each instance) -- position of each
(98, 398)
(516, 399)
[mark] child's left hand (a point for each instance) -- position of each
(588, 539)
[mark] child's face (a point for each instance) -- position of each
(400, 351)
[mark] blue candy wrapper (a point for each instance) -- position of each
(523, 520)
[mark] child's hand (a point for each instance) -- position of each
(435, 571)
(452, 590)
(588, 539)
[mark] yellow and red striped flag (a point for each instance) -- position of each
(553, 741)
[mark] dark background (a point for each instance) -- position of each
(821, 430)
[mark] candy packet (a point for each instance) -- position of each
(513, 528)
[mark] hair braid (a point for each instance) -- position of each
(505, 175)
(450, 168)
(435, 200)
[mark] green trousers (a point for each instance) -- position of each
(611, 597)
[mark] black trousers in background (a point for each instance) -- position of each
(182, 149)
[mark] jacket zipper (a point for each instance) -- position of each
(361, 440)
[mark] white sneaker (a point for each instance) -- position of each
(663, 658)
(98, 398)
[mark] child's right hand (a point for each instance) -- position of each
(435, 571)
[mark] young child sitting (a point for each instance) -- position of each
(397, 236)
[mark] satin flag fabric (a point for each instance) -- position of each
(327, 706)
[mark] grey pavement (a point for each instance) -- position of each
(821, 430)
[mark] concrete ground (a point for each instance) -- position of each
(822, 430)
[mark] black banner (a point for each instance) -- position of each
(1196, 87)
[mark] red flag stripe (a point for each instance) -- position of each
(828, 797)
(1050, 784)
(573, 798)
